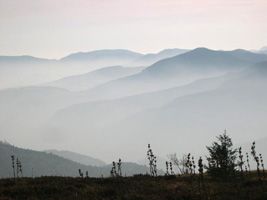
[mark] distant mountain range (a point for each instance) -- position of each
(94, 78)
(106, 57)
(178, 70)
(17, 71)
(37, 163)
(22, 59)
(204, 60)
(120, 109)
(102, 54)
(239, 105)
(235, 101)
(149, 59)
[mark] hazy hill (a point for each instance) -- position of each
(39, 163)
(51, 116)
(22, 59)
(263, 50)
(151, 58)
(248, 55)
(178, 70)
(106, 57)
(259, 69)
(205, 60)
(24, 110)
(199, 115)
(94, 78)
(201, 109)
(76, 157)
(21, 71)
(17, 71)
(90, 116)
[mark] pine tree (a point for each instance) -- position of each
(222, 158)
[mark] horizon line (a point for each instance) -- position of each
(134, 51)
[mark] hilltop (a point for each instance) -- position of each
(38, 163)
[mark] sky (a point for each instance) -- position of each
(55, 28)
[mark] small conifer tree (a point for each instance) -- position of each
(222, 157)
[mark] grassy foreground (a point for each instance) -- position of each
(138, 187)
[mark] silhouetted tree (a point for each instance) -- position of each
(201, 176)
(119, 167)
(80, 173)
(255, 157)
(200, 167)
(152, 161)
(190, 164)
(241, 162)
(116, 169)
(20, 169)
(221, 161)
(13, 165)
(113, 171)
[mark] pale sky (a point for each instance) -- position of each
(54, 28)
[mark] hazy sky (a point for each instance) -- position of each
(54, 28)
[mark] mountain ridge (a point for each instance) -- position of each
(38, 163)
(178, 70)
(77, 157)
(96, 77)
(101, 54)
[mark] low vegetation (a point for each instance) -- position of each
(226, 175)
(137, 187)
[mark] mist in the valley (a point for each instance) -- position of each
(110, 104)
(18, 71)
